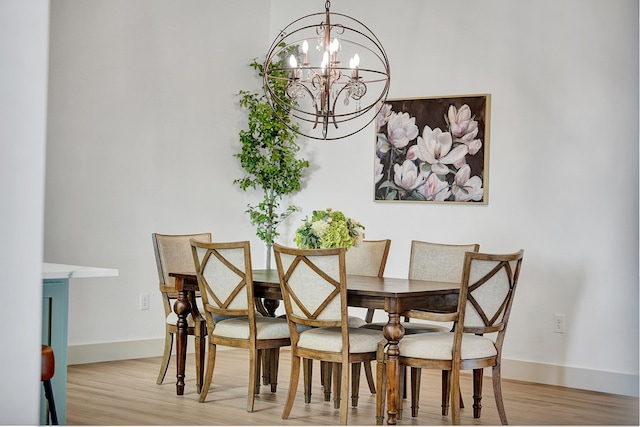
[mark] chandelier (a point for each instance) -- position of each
(314, 87)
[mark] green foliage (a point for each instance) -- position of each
(268, 156)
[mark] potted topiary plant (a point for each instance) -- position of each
(269, 158)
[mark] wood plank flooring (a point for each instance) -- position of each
(125, 393)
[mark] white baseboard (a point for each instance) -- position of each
(105, 352)
(566, 376)
(587, 379)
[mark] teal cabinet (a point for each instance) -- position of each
(55, 304)
(55, 326)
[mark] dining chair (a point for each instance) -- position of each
(437, 262)
(173, 254)
(313, 283)
(486, 296)
(226, 286)
(48, 369)
(369, 258)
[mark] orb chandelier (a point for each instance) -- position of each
(305, 76)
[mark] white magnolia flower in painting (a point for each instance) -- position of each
(435, 148)
(382, 145)
(401, 128)
(378, 170)
(435, 189)
(465, 187)
(407, 176)
(383, 116)
(470, 140)
(461, 122)
(464, 128)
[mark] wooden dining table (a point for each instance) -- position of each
(393, 295)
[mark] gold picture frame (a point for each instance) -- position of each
(433, 150)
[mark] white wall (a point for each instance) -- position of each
(143, 123)
(24, 31)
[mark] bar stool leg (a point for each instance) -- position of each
(48, 392)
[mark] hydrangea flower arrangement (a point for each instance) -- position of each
(329, 229)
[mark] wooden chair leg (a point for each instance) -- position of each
(445, 392)
(326, 374)
(454, 386)
(254, 377)
(293, 386)
(344, 391)
(416, 374)
(477, 392)
(337, 378)
(201, 347)
(48, 393)
(166, 357)
(208, 376)
(307, 369)
(273, 368)
(264, 356)
(355, 383)
(369, 374)
(260, 364)
(497, 392)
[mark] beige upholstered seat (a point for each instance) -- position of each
(314, 289)
(226, 286)
(173, 254)
(486, 297)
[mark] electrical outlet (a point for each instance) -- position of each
(144, 301)
(558, 323)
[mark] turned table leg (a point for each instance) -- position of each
(182, 308)
(393, 332)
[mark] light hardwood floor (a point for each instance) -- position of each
(125, 393)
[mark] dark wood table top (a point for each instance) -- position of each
(363, 291)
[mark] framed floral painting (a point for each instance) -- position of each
(433, 149)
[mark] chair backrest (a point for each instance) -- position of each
(224, 277)
(313, 284)
(369, 258)
(173, 254)
(438, 262)
(488, 286)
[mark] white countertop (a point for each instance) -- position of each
(64, 271)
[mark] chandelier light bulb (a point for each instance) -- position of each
(354, 62)
(325, 61)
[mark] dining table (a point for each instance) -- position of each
(393, 295)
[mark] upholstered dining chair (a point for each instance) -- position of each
(369, 258)
(173, 254)
(486, 296)
(226, 286)
(314, 288)
(431, 261)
